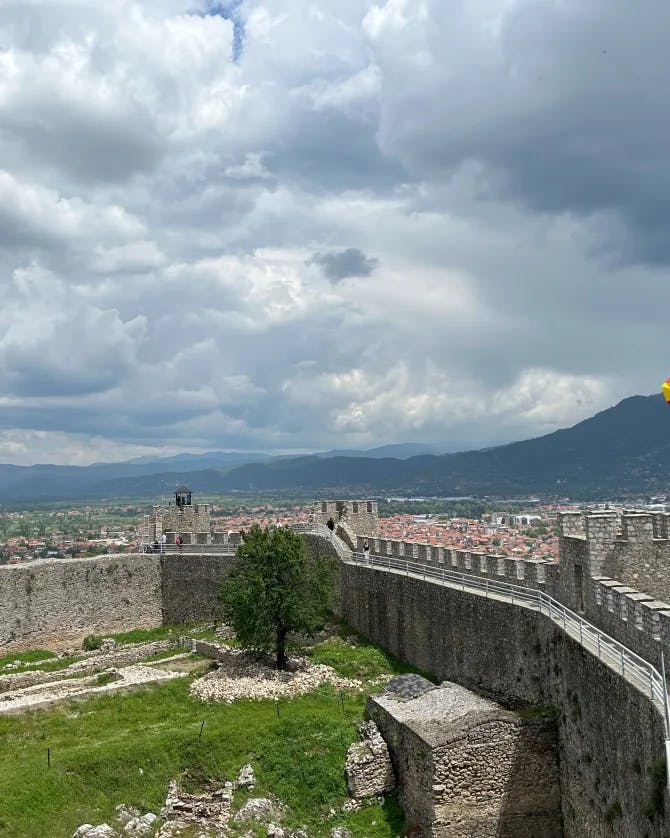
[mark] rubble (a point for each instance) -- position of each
(368, 768)
(143, 825)
(126, 813)
(103, 830)
(246, 778)
(241, 675)
(258, 809)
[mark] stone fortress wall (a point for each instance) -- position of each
(610, 735)
(604, 560)
(57, 602)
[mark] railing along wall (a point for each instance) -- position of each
(636, 670)
(636, 619)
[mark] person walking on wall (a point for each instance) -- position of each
(163, 542)
(179, 541)
(366, 551)
(331, 524)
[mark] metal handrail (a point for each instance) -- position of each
(214, 549)
(635, 669)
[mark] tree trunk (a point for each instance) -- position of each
(282, 660)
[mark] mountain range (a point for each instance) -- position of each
(624, 449)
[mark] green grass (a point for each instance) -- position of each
(125, 748)
(27, 657)
(104, 678)
(352, 657)
(160, 656)
(147, 635)
(47, 666)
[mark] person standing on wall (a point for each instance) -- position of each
(163, 542)
(366, 551)
(179, 541)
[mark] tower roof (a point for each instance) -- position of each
(182, 489)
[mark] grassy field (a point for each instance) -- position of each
(125, 749)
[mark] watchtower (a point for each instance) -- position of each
(182, 497)
(181, 517)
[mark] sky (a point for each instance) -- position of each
(291, 225)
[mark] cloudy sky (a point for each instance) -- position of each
(290, 225)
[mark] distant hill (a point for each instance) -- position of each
(401, 451)
(621, 450)
(625, 449)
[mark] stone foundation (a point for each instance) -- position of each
(467, 767)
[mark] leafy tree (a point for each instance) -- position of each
(275, 587)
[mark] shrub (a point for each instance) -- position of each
(92, 642)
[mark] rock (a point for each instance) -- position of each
(103, 830)
(211, 809)
(275, 831)
(141, 826)
(257, 809)
(368, 769)
(108, 644)
(246, 778)
(340, 832)
(126, 813)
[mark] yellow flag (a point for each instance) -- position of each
(665, 389)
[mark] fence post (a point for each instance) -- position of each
(581, 642)
(623, 661)
(599, 655)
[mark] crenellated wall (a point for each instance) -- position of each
(610, 735)
(360, 515)
(190, 518)
(530, 573)
(616, 572)
(637, 619)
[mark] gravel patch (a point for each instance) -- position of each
(242, 676)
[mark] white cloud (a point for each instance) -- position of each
(495, 183)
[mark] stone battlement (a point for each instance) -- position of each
(528, 572)
(360, 515)
(636, 619)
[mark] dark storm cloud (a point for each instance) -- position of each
(564, 104)
(345, 263)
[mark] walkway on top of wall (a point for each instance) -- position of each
(637, 671)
